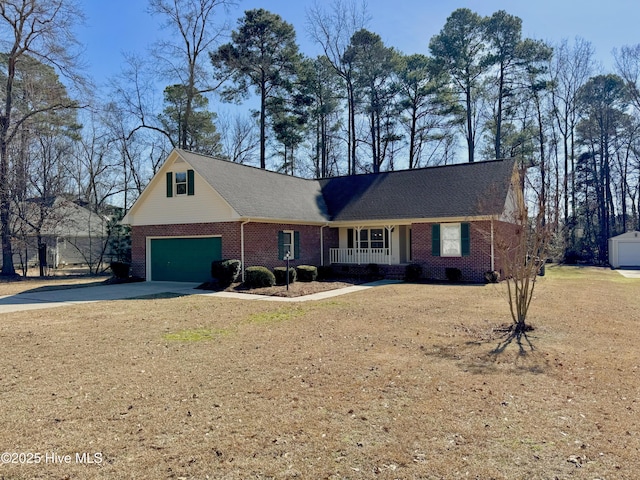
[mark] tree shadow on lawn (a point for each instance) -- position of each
(92, 281)
(518, 334)
(473, 355)
(54, 288)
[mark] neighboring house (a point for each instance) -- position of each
(73, 234)
(197, 209)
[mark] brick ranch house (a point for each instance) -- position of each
(197, 209)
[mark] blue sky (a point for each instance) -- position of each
(117, 26)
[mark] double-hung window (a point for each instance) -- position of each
(180, 183)
(288, 242)
(450, 240)
(377, 237)
(369, 238)
(364, 238)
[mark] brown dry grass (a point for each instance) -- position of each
(396, 382)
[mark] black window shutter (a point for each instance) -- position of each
(465, 239)
(169, 184)
(350, 241)
(190, 190)
(296, 245)
(435, 240)
(281, 245)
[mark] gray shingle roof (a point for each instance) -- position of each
(460, 190)
(256, 193)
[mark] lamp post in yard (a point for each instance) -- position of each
(287, 257)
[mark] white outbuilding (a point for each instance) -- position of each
(624, 250)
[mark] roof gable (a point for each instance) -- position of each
(152, 207)
(632, 234)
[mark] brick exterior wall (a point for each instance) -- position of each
(260, 240)
(230, 232)
(473, 266)
(261, 246)
(331, 240)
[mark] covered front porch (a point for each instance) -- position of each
(362, 245)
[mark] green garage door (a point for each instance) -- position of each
(184, 259)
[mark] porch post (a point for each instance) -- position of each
(242, 246)
(389, 231)
(321, 245)
(357, 231)
(493, 261)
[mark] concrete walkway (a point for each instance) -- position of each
(305, 298)
(629, 273)
(35, 300)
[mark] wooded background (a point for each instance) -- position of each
(480, 91)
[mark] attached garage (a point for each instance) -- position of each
(182, 259)
(624, 250)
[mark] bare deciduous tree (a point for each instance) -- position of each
(239, 137)
(571, 66)
(30, 29)
(523, 252)
(197, 27)
(332, 29)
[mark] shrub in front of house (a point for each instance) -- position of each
(281, 275)
(225, 271)
(325, 272)
(492, 276)
(373, 272)
(307, 273)
(453, 274)
(120, 269)
(413, 272)
(258, 277)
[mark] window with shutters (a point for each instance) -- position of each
(451, 240)
(180, 183)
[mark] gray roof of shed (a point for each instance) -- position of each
(459, 190)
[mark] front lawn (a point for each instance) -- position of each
(395, 382)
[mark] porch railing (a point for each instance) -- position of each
(360, 256)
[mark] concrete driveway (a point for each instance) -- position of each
(57, 298)
(35, 299)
